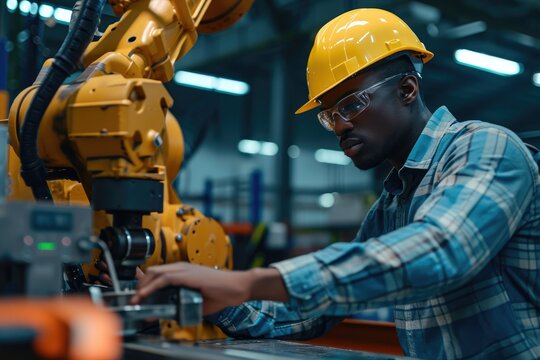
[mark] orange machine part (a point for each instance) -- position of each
(68, 328)
(374, 336)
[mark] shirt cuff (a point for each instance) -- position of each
(302, 277)
(221, 317)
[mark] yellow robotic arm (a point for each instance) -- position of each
(109, 138)
(111, 120)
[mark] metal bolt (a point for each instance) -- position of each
(184, 210)
(178, 237)
(158, 141)
(28, 240)
(66, 241)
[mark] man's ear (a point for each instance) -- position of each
(409, 89)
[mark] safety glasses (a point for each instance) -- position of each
(353, 104)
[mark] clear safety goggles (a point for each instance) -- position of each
(353, 104)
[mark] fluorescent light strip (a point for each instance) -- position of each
(34, 8)
(228, 86)
(46, 11)
(332, 157)
(212, 83)
(536, 79)
(61, 15)
(327, 200)
(194, 80)
(249, 146)
(268, 148)
(12, 5)
(492, 64)
(293, 151)
(257, 147)
(24, 7)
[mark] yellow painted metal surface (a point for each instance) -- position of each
(352, 42)
(4, 101)
(114, 122)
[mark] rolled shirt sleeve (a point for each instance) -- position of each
(484, 186)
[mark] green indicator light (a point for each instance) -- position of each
(46, 246)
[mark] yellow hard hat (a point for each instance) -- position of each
(353, 41)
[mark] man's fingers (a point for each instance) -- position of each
(105, 278)
(157, 277)
(155, 271)
(211, 308)
(102, 266)
(139, 274)
(148, 278)
(159, 282)
(160, 269)
(145, 290)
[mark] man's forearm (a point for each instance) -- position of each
(267, 284)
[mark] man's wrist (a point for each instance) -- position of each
(266, 284)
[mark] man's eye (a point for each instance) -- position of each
(352, 107)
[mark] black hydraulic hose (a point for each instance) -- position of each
(65, 62)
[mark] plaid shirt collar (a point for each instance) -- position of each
(428, 141)
(397, 182)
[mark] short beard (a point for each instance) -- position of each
(367, 164)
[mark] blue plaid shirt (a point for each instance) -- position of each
(453, 244)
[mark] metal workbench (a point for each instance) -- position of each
(145, 348)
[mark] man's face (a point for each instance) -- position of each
(376, 133)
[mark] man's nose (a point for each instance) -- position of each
(341, 125)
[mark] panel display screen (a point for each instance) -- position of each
(51, 220)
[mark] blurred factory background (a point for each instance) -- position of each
(277, 181)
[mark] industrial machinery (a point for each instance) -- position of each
(108, 138)
(35, 322)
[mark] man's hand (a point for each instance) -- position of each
(219, 289)
(104, 277)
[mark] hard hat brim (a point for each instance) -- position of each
(312, 104)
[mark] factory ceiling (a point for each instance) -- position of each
(283, 30)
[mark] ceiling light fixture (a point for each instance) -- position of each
(212, 83)
(249, 146)
(536, 79)
(327, 200)
(469, 29)
(332, 157)
(253, 147)
(34, 8)
(62, 15)
(492, 64)
(24, 7)
(268, 148)
(46, 11)
(293, 151)
(12, 5)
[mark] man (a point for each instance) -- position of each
(453, 242)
